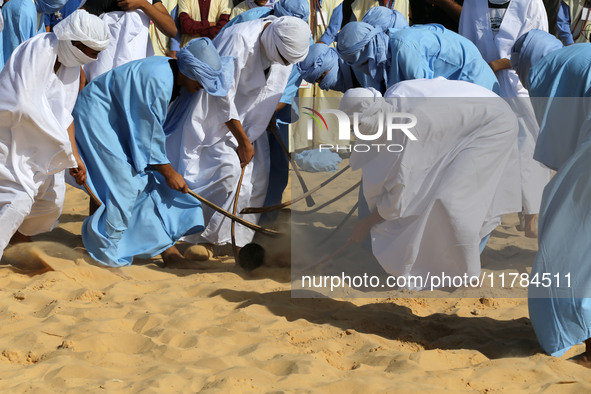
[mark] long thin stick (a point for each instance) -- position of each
(319, 207)
(338, 227)
(309, 200)
(232, 231)
(92, 195)
(227, 214)
(335, 253)
(288, 203)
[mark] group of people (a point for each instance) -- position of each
(86, 103)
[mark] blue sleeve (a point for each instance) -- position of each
(175, 42)
(47, 20)
(293, 84)
(563, 24)
(334, 25)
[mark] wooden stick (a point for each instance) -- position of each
(319, 207)
(335, 253)
(288, 203)
(338, 227)
(309, 200)
(232, 231)
(255, 227)
(92, 195)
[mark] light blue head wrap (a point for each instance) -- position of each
(49, 6)
(529, 49)
(201, 62)
(322, 58)
(364, 48)
(385, 18)
(298, 8)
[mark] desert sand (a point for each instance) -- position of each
(68, 324)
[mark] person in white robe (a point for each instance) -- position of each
(130, 32)
(433, 204)
(494, 29)
(209, 156)
(39, 85)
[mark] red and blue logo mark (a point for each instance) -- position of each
(317, 117)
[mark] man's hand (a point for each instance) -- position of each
(79, 173)
(500, 64)
(174, 180)
(363, 228)
(132, 5)
(245, 153)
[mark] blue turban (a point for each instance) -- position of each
(298, 8)
(49, 6)
(530, 48)
(322, 58)
(200, 61)
(364, 48)
(385, 18)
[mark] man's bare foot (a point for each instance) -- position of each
(584, 359)
(174, 259)
(19, 238)
(199, 252)
(531, 226)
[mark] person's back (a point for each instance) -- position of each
(21, 22)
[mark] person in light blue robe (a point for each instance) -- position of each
(385, 17)
(559, 82)
(119, 120)
(420, 51)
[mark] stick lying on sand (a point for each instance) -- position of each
(288, 203)
(319, 207)
(227, 214)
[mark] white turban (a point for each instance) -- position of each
(287, 37)
(81, 26)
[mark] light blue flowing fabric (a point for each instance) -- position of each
(298, 8)
(49, 6)
(322, 58)
(561, 84)
(431, 51)
(118, 119)
(385, 18)
(20, 24)
(420, 51)
(200, 61)
(531, 48)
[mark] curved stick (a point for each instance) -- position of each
(93, 196)
(252, 226)
(288, 203)
(338, 227)
(319, 207)
(232, 231)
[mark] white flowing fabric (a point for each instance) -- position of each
(204, 151)
(130, 40)
(436, 196)
(35, 112)
(520, 17)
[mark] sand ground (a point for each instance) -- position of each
(69, 325)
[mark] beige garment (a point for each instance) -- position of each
(217, 8)
(239, 9)
(160, 41)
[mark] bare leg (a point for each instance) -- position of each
(174, 259)
(19, 238)
(531, 226)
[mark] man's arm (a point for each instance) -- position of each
(79, 173)
(157, 13)
(245, 149)
(450, 7)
